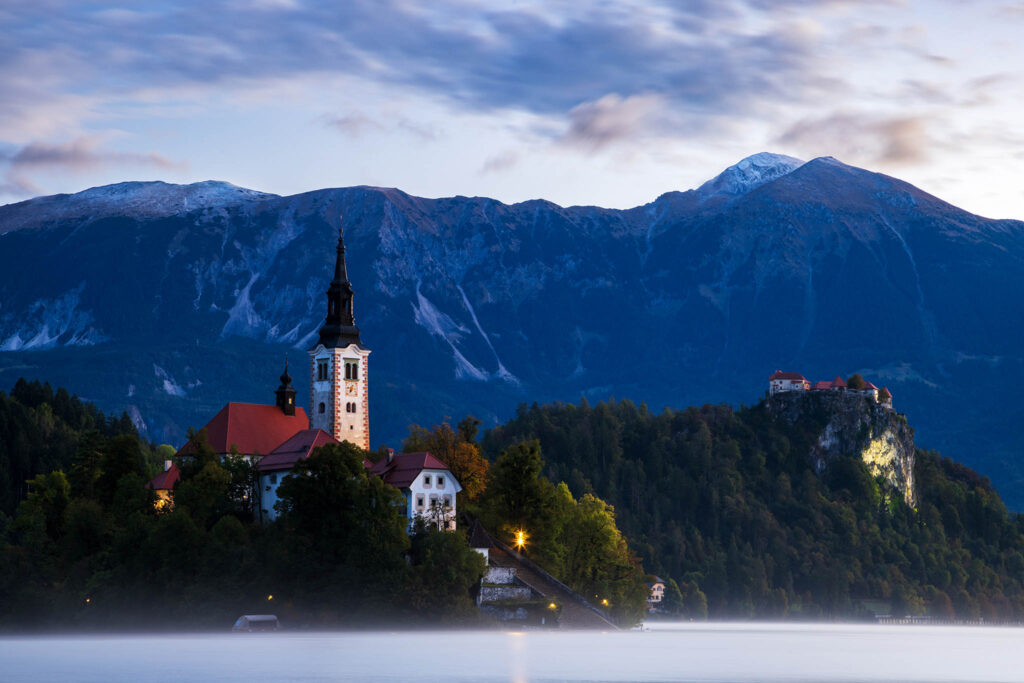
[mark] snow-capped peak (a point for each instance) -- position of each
(750, 173)
(139, 199)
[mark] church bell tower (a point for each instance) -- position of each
(339, 387)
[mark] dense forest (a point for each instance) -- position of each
(86, 548)
(41, 430)
(726, 505)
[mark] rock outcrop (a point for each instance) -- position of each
(849, 423)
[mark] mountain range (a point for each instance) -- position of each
(168, 301)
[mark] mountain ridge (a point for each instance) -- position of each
(827, 269)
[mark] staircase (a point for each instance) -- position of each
(577, 613)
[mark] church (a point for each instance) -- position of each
(276, 437)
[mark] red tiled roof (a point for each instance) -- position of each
(405, 467)
(885, 393)
(838, 383)
(822, 385)
(252, 428)
(779, 374)
(869, 385)
(166, 480)
(300, 446)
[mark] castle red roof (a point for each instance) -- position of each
(300, 446)
(870, 386)
(779, 374)
(166, 480)
(838, 383)
(252, 428)
(822, 385)
(405, 467)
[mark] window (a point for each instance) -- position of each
(321, 408)
(273, 478)
(440, 482)
(426, 480)
(447, 501)
(419, 501)
(321, 369)
(351, 369)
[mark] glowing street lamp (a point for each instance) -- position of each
(270, 597)
(520, 539)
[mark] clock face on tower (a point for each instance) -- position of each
(351, 389)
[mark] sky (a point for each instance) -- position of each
(602, 103)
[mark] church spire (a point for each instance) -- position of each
(339, 328)
(286, 392)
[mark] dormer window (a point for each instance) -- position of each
(321, 370)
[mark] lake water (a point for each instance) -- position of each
(666, 652)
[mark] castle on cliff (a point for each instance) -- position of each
(782, 382)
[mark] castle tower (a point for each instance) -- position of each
(339, 387)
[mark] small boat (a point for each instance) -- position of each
(256, 622)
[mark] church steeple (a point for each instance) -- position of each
(286, 393)
(339, 328)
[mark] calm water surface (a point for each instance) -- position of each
(666, 652)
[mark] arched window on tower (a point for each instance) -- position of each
(351, 369)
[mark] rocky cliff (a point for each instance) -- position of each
(849, 423)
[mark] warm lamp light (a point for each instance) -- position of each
(605, 602)
(552, 606)
(270, 597)
(520, 539)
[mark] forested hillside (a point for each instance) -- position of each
(727, 504)
(41, 430)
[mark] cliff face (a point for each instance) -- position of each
(849, 423)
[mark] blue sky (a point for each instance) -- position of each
(606, 103)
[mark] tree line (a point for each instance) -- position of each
(725, 505)
(86, 546)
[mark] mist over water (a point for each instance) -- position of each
(665, 652)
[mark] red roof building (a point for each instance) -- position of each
(163, 485)
(779, 374)
(253, 429)
(781, 382)
(426, 483)
(298, 447)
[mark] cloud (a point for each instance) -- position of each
(544, 59)
(357, 124)
(80, 155)
(500, 162)
(861, 138)
(610, 119)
